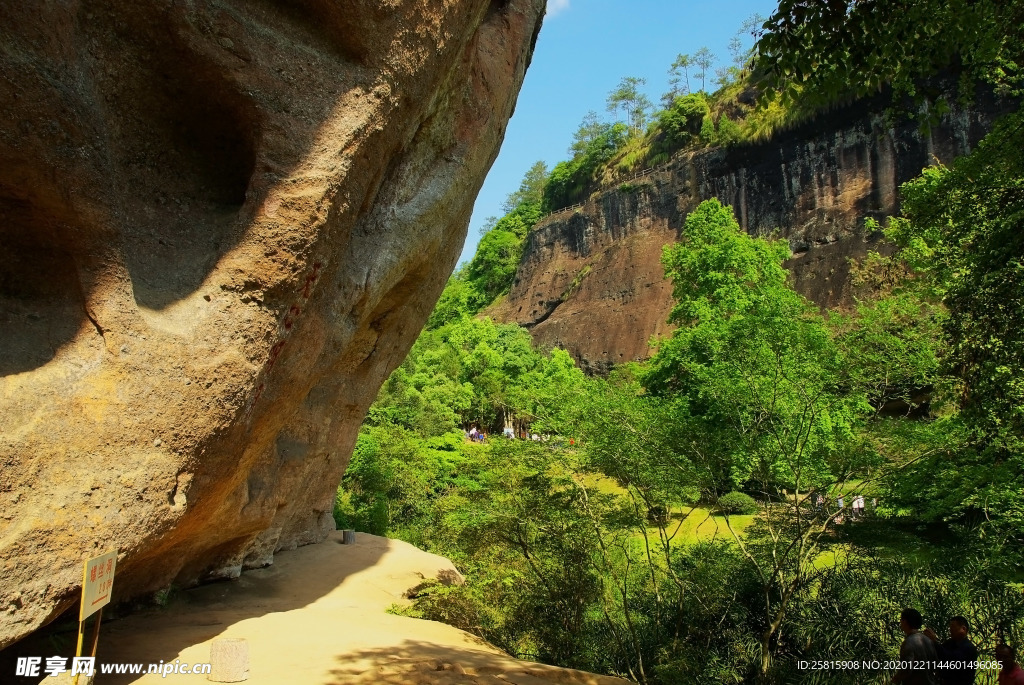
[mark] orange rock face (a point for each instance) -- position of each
(591, 280)
(222, 224)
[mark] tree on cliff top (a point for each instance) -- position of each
(679, 75)
(595, 143)
(531, 188)
(703, 59)
(634, 103)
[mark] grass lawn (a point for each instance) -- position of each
(699, 525)
(602, 484)
(686, 526)
(873, 536)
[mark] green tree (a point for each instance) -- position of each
(736, 51)
(892, 346)
(632, 101)
(754, 376)
(681, 121)
(458, 300)
(740, 50)
(703, 59)
(679, 79)
(729, 131)
(494, 265)
(752, 362)
(707, 130)
(587, 133)
(595, 143)
(395, 477)
(531, 189)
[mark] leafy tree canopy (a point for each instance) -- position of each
(832, 49)
(681, 121)
(595, 144)
(753, 370)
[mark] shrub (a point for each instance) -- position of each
(737, 503)
(728, 131)
(682, 121)
(707, 130)
(569, 181)
(455, 605)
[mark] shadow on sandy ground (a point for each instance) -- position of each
(199, 614)
(414, 662)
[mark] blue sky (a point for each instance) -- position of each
(584, 48)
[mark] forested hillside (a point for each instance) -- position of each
(778, 481)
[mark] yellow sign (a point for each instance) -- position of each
(97, 584)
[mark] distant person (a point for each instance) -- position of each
(840, 502)
(472, 433)
(819, 502)
(1010, 673)
(918, 649)
(957, 650)
(858, 506)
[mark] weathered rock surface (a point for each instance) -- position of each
(591, 280)
(222, 224)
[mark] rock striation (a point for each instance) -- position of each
(591, 282)
(222, 224)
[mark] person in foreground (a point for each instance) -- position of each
(1011, 673)
(917, 650)
(958, 652)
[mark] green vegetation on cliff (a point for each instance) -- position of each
(602, 153)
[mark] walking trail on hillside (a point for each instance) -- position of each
(318, 617)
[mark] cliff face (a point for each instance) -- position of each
(591, 281)
(222, 224)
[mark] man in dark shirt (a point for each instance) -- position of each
(957, 655)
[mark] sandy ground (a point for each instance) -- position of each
(317, 617)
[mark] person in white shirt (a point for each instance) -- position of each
(858, 506)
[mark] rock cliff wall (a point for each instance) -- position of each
(590, 280)
(222, 224)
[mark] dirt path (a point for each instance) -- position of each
(317, 617)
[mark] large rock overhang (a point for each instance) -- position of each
(222, 224)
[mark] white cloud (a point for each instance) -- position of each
(557, 7)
